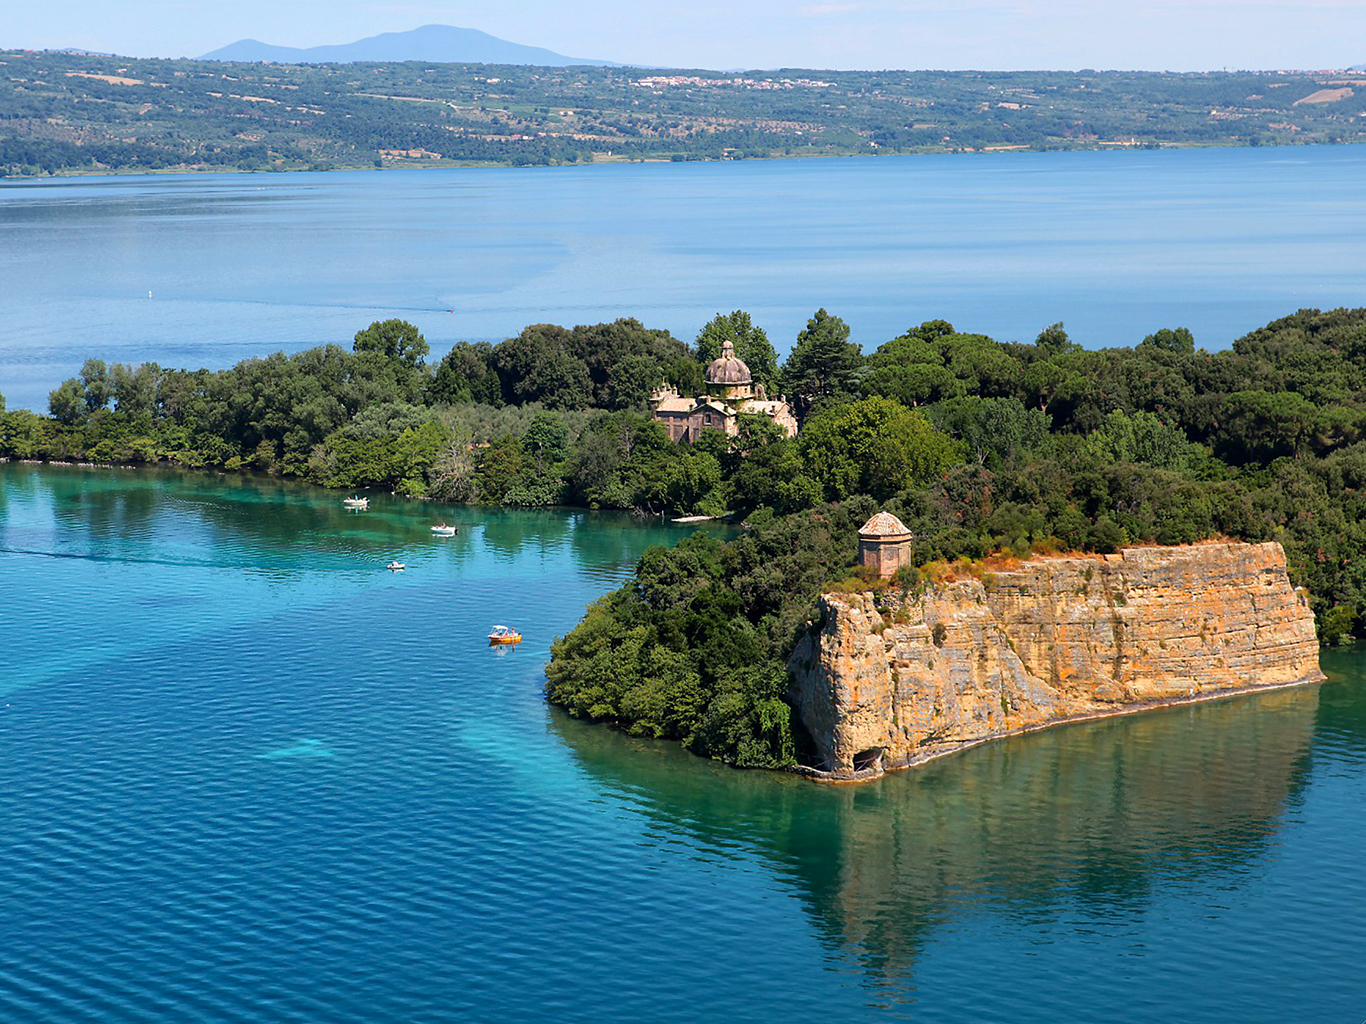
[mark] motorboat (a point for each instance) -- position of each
(356, 502)
(443, 531)
(395, 567)
(504, 635)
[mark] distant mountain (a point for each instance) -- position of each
(1357, 67)
(439, 44)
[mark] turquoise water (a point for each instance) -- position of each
(247, 775)
(1114, 244)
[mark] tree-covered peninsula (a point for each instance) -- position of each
(83, 113)
(978, 446)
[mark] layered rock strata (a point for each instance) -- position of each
(1051, 640)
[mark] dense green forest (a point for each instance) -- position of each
(68, 113)
(979, 446)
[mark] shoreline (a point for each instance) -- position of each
(464, 165)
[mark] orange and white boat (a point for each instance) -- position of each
(504, 635)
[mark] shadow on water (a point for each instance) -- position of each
(1085, 823)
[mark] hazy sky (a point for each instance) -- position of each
(991, 34)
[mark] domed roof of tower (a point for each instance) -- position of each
(884, 524)
(729, 368)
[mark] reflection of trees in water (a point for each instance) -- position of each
(17, 482)
(100, 504)
(1341, 721)
(512, 531)
(596, 538)
(1091, 818)
(92, 504)
(265, 522)
(123, 510)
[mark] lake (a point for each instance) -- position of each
(204, 270)
(250, 777)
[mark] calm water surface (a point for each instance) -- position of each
(246, 775)
(1114, 244)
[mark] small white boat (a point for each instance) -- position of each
(395, 567)
(443, 530)
(356, 502)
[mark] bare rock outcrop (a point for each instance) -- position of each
(1051, 640)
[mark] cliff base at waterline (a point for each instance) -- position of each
(887, 681)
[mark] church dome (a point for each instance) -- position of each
(729, 369)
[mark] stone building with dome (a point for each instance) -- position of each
(884, 544)
(730, 391)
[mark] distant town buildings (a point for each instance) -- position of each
(730, 392)
(693, 81)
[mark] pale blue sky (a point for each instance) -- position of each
(992, 34)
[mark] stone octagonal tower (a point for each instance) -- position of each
(884, 544)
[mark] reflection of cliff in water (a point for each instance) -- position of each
(1089, 818)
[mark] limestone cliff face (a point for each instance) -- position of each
(1052, 640)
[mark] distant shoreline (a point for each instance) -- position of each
(76, 114)
(453, 165)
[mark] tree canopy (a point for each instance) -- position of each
(875, 447)
(393, 339)
(823, 362)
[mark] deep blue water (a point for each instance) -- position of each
(246, 775)
(1115, 245)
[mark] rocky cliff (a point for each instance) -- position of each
(885, 683)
